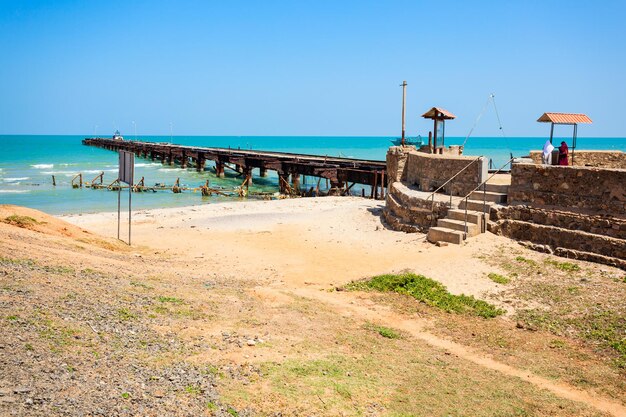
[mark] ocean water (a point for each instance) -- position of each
(27, 164)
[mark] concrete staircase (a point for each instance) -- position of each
(454, 229)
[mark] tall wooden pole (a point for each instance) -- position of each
(403, 109)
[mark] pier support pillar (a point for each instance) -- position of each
(262, 172)
(247, 174)
(295, 181)
(200, 161)
(163, 158)
(183, 161)
(336, 187)
(238, 168)
(283, 182)
(219, 169)
(152, 155)
(170, 159)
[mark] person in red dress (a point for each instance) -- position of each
(563, 153)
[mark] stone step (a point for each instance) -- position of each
(475, 205)
(443, 234)
(498, 188)
(472, 216)
(489, 196)
(471, 229)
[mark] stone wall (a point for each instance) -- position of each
(600, 159)
(581, 189)
(578, 244)
(396, 163)
(597, 224)
(429, 171)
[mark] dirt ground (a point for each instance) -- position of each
(240, 309)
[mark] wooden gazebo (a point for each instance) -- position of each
(572, 119)
(439, 116)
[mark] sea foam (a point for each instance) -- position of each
(43, 166)
(15, 191)
(16, 179)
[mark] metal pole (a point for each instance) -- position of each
(119, 191)
(574, 142)
(129, 210)
(551, 132)
(465, 227)
(403, 109)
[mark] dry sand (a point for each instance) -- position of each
(291, 243)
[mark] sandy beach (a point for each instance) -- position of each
(292, 243)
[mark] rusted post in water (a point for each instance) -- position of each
(200, 161)
(376, 185)
(219, 169)
(247, 174)
(283, 181)
(295, 181)
(54, 181)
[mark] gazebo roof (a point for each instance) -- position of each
(438, 114)
(564, 118)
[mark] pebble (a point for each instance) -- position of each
(21, 390)
(250, 342)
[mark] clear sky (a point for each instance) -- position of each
(308, 67)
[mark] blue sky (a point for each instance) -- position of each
(308, 67)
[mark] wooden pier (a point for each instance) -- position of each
(342, 173)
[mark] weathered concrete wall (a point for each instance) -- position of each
(600, 159)
(396, 163)
(586, 189)
(429, 171)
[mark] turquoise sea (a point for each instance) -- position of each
(27, 164)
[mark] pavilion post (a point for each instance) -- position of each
(551, 132)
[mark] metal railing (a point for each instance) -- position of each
(484, 185)
(432, 207)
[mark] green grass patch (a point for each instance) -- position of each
(125, 314)
(497, 278)
(605, 328)
(563, 266)
(20, 221)
(385, 332)
(429, 292)
(526, 260)
(172, 300)
(232, 412)
(15, 261)
(125, 395)
(141, 285)
(193, 390)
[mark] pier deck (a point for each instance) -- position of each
(339, 171)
